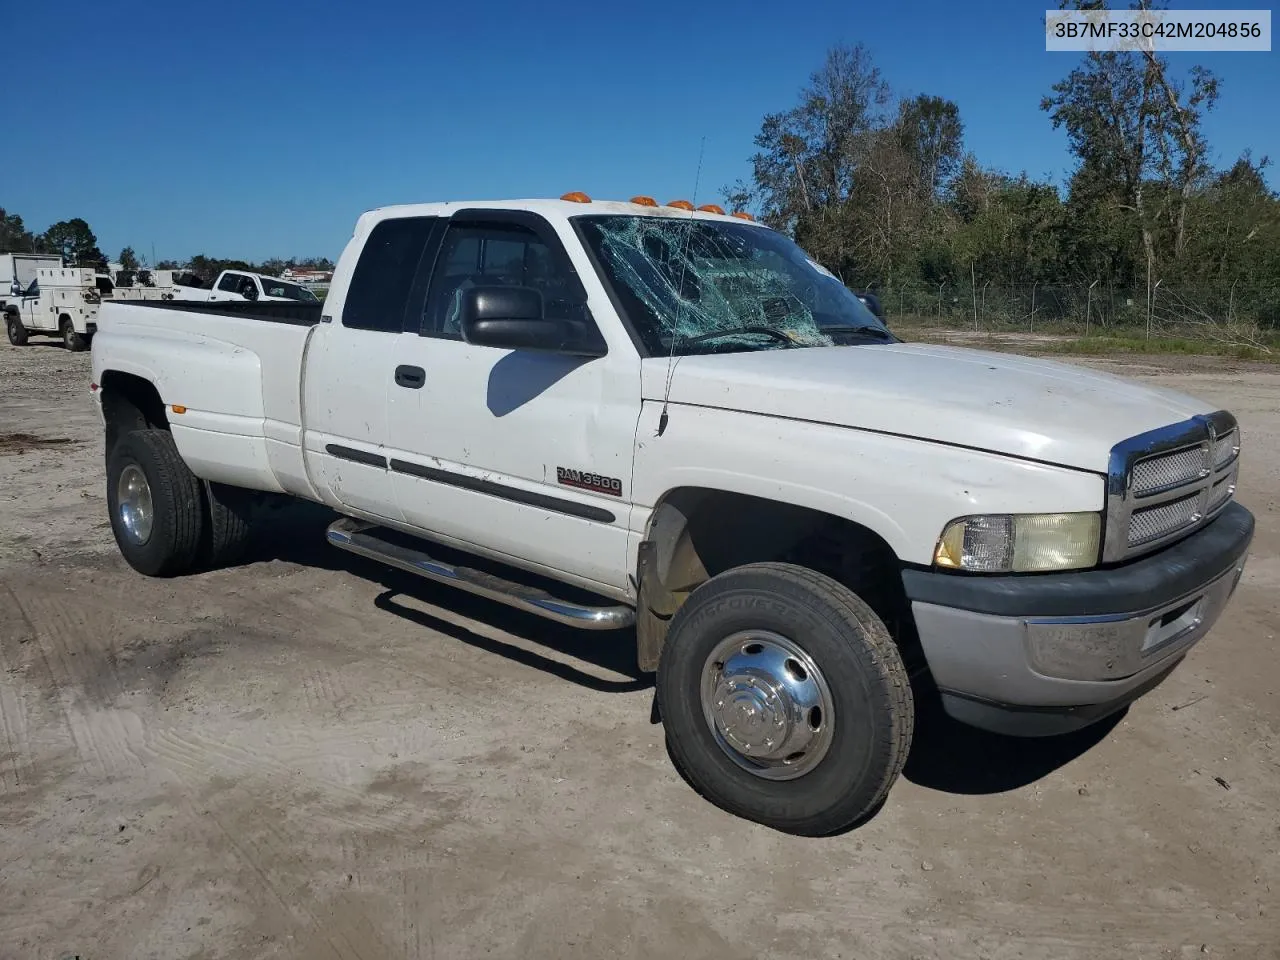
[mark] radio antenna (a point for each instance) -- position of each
(684, 267)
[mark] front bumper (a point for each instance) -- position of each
(1043, 654)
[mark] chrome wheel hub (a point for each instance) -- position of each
(767, 704)
(133, 504)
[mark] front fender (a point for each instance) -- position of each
(903, 489)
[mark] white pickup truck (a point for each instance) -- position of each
(241, 285)
(646, 416)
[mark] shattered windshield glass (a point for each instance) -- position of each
(699, 286)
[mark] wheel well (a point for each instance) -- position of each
(130, 402)
(697, 533)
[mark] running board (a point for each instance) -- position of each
(361, 538)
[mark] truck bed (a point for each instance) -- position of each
(233, 370)
(303, 314)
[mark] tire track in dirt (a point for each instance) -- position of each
(189, 754)
(106, 738)
(278, 859)
(414, 914)
(17, 769)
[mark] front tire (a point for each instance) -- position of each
(70, 339)
(785, 699)
(157, 511)
(16, 331)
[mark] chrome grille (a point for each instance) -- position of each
(1225, 449)
(1164, 484)
(1157, 474)
(1221, 492)
(1152, 523)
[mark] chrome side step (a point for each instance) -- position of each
(359, 537)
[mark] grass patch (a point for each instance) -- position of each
(1051, 341)
(1101, 346)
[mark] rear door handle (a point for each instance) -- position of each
(411, 377)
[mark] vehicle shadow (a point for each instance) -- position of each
(946, 755)
(295, 534)
(952, 757)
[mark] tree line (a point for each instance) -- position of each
(75, 241)
(882, 191)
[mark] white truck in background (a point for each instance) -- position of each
(618, 415)
(242, 285)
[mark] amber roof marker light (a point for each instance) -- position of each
(712, 208)
(575, 196)
(680, 204)
(644, 201)
(743, 215)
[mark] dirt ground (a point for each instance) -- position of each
(308, 756)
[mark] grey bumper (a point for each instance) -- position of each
(1043, 654)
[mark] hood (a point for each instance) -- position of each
(1038, 409)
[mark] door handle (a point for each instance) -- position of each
(411, 377)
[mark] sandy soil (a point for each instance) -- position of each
(308, 756)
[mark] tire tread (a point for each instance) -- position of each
(178, 490)
(229, 528)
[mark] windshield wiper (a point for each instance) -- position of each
(738, 331)
(866, 328)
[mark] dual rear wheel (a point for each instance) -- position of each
(75, 342)
(167, 522)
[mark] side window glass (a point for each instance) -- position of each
(498, 255)
(230, 282)
(383, 278)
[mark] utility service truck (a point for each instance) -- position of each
(671, 423)
(44, 297)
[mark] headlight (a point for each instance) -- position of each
(1020, 543)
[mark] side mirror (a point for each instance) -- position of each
(873, 304)
(512, 318)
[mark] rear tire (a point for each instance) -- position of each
(228, 530)
(70, 339)
(846, 756)
(17, 332)
(155, 503)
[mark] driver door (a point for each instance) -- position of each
(527, 453)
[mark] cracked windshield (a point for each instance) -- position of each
(701, 286)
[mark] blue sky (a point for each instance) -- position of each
(264, 129)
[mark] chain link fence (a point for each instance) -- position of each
(1237, 312)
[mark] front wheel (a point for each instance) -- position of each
(16, 331)
(785, 699)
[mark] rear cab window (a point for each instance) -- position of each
(379, 293)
